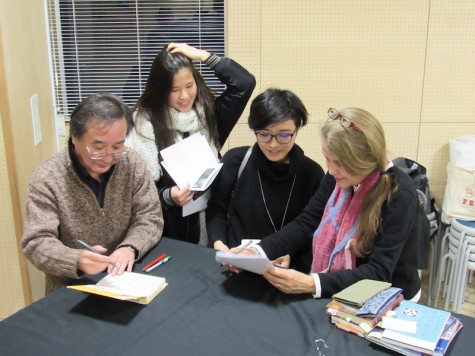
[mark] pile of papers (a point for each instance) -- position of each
(378, 312)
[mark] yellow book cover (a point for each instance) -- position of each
(130, 286)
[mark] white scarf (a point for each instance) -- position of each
(189, 122)
(144, 142)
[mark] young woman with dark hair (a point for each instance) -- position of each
(275, 184)
(177, 103)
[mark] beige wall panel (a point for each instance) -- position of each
(243, 40)
(401, 140)
(27, 72)
(344, 53)
(308, 139)
(25, 57)
(11, 290)
(449, 91)
(243, 44)
(240, 136)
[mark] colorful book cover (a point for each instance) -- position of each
(348, 327)
(427, 323)
(452, 328)
(338, 309)
(375, 305)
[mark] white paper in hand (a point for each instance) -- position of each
(253, 263)
(191, 161)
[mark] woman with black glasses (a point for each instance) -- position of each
(275, 183)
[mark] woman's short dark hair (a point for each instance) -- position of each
(274, 106)
(105, 107)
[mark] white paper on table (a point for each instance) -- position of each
(253, 263)
(191, 161)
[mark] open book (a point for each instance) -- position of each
(133, 287)
(191, 161)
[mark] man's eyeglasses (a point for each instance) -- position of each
(265, 137)
(99, 155)
(345, 122)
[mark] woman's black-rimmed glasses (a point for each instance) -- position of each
(265, 137)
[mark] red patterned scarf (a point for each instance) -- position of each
(332, 250)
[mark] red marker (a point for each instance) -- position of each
(158, 259)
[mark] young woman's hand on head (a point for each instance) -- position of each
(181, 196)
(188, 51)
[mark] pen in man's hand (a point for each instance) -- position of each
(240, 249)
(90, 248)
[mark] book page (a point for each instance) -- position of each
(129, 283)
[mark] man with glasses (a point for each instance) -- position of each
(275, 184)
(95, 194)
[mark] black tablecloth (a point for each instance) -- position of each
(203, 311)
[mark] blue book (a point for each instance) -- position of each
(429, 326)
(451, 329)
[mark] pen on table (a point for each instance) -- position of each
(166, 259)
(158, 259)
(90, 248)
(240, 249)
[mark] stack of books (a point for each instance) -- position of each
(416, 330)
(358, 308)
(378, 312)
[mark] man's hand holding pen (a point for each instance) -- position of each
(92, 260)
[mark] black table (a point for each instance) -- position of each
(203, 311)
